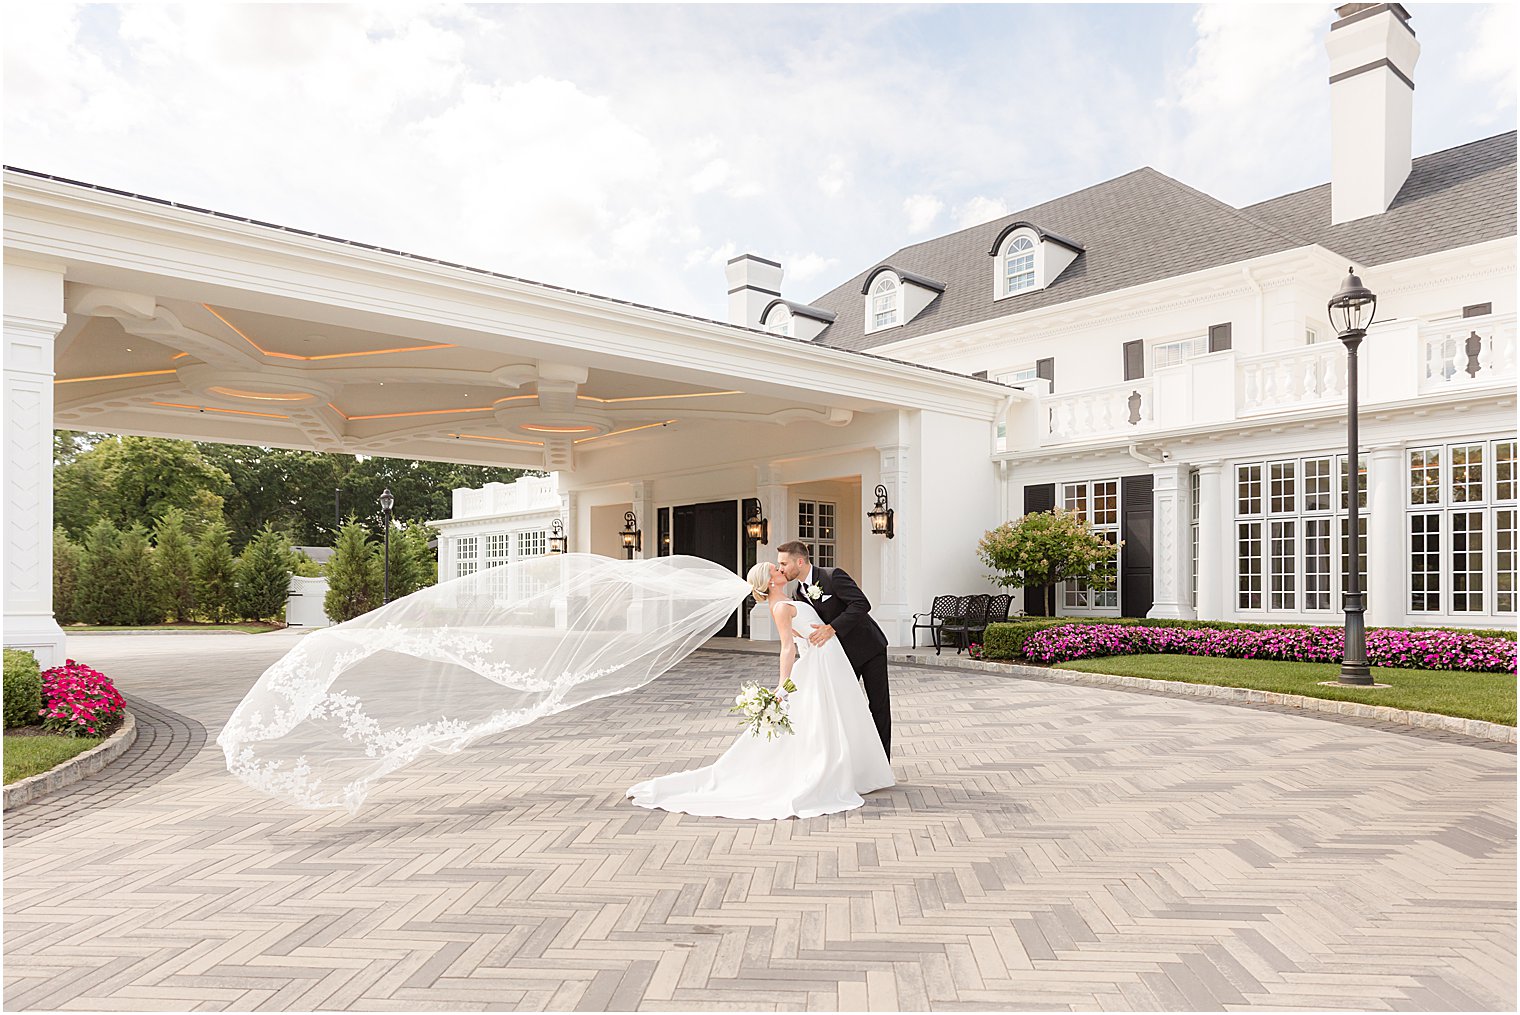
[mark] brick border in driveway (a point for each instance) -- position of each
(35, 787)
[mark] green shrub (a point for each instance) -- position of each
(353, 575)
(1006, 641)
(67, 561)
(263, 575)
(138, 603)
(98, 596)
(215, 573)
(174, 566)
(22, 688)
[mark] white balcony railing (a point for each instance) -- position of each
(1289, 380)
(1102, 412)
(1469, 353)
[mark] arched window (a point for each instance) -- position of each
(885, 309)
(779, 321)
(1018, 266)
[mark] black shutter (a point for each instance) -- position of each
(1478, 310)
(1137, 559)
(1036, 499)
(1219, 337)
(1134, 360)
(1046, 369)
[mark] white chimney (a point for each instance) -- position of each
(753, 282)
(1372, 57)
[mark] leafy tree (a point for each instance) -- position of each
(305, 567)
(97, 598)
(1045, 548)
(353, 575)
(131, 480)
(67, 561)
(263, 575)
(174, 566)
(215, 573)
(138, 601)
(412, 562)
(205, 509)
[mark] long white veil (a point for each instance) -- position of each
(464, 659)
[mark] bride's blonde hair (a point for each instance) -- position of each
(759, 578)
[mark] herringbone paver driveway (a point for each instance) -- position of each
(1049, 846)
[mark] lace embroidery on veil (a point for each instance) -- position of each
(468, 658)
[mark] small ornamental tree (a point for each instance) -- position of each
(174, 566)
(353, 575)
(1048, 547)
(412, 562)
(138, 603)
(215, 572)
(97, 598)
(67, 560)
(263, 575)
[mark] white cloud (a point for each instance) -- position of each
(922, 210)
(799, 268)
(980, 209)
(1490, 62)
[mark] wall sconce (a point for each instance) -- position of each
(633, 539)
(881, 514)
(757, 527)
(557, 539)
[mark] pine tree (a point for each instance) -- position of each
(424, 559)
(139, 602)
(174, 566)
(353, 575)
(98, 596)
(67, 560)
(215, 572)
(263, 575)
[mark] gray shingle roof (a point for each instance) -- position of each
(1145, 226)
(1453, 198)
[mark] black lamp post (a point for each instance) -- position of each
(386, 503)
(881, 515)
(557, 539)
(337, 511)
(1351, 312)
(756, 526)
(633, 539)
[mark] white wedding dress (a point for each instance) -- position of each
(831, 758)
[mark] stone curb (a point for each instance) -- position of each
(34, 787)
(1475, 728)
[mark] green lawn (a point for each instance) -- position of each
(248, 628)
(1488, 696)
(26, 756)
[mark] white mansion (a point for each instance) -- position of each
(1137, 351)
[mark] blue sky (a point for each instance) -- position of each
(631, 150)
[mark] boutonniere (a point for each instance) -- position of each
(814, 592)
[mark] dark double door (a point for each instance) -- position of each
(709, 531)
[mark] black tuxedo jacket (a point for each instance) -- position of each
(847, 610)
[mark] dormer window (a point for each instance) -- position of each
(779, 321)
(1018, 266)
(1028, 258)
(885, 310)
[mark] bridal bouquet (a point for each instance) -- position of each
(762, 710)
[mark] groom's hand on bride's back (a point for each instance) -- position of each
(821, 633)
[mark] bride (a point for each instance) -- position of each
(833, 756)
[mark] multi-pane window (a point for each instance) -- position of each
(1461, 528)
(466, 557)
(498, 549)
(1171, 354)
(1193, 501)
(1286, 536)
(1018, 266)
(816, 527)
(780, 321)
(532, 543)
(1098, 503)
(884, 303)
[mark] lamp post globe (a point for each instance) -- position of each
(387, 501)
(1351, 311)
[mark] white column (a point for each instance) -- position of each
(1172, 543)
(34, 315)
(567, 515)
(1387, 569)
(892, 612)
(776, 507)
(648, 521)
(1214, 564)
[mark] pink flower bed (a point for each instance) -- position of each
(78, 700)
(1425, 650)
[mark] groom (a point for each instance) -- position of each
(846, 612)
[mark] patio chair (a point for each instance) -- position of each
(973, 614)
(997, 613)
(942, 609)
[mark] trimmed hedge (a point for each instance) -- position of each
(22, 688)
(1006, 641)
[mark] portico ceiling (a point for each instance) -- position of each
(183, 323)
